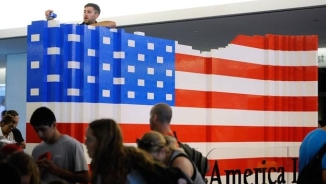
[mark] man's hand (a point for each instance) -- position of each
(47, 165)
(47, 14)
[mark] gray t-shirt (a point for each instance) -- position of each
(67, 153)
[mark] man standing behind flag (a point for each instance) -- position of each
(58, 156)
(160, 118)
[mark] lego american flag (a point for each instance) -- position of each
(253, 100)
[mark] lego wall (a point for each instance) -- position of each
(247, 106)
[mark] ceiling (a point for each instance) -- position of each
(215, 32)
(209, 33)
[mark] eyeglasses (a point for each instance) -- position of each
(11, 126)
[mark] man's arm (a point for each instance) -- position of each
(324, 176)
(19, 138)
(79, 177)
(108, 24)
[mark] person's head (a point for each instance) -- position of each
(159, 146)
(26, 166)
(14, 114)
(9, 173)
(104, 145)
(9, 149)
(3, 113)
(321, 123)
(7, 124)
(160, 114)
(91, 13)
(44, 123)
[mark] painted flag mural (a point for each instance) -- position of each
(247, 106)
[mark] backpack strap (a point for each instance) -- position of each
(321, 152)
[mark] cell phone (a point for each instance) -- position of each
(46, 155)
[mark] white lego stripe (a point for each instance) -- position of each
(239, 85)
(266, 57)
(139, 114)
(53, 51)
(53, 78)
(53, 23)
(73, 92)
(119, 55)
(118, 81)
(35, 64)
(255, 55)
(230, 150)
(185, 49)
(73, 38)
(35, 37)
(74, 64)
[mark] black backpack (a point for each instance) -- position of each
(164, 175)
(197, 157)
(312, 172)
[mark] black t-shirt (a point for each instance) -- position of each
(17, 135)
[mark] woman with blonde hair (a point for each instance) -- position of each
(26, 166)
(114, 163)
(164, 149)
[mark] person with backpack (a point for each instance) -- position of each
(164, 150)
(312, 158)
(160, 118)
(114, 163)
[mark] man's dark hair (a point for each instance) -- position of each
(3, 113)
(163, 112)
(95, 6)
(12, 113)
(42, 116)
(322, 123)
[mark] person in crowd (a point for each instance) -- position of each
(104, 145)
(8, 150)
(9, 174)
(163, 148)
(310, 146)
(91, 13)
(7, 125)
(114, 163)
(59, 156)
(15, 131)
(26, 166)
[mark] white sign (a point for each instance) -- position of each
(321, 58)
